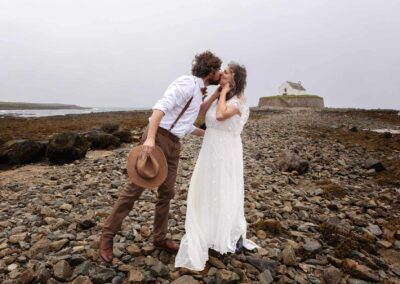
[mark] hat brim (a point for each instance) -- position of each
(133, 175)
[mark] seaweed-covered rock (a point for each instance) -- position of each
(125, 136)
(18, 152)
(102, 140)
(67, 147)
(288, 162)
(110, 127)
(374, 164)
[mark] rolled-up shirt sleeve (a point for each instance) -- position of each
(176, 94)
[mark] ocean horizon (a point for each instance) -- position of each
(55, 112)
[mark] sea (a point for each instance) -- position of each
(54, 112)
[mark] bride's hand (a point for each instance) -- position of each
(226, 88)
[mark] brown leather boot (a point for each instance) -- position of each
(106, 248)
(168, 245)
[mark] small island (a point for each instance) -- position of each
(21, 105)
(292, 95)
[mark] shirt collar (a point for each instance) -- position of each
(200, 82)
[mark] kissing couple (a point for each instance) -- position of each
(215, 203)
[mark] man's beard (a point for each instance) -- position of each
(214, 82)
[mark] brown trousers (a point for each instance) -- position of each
(171, 148)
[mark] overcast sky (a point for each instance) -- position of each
(121, 53)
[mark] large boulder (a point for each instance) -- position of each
(374, 164)
(109, 127)
(67, 147)
(18, 152)
(102, 140)
(288, 162)
(125, 136)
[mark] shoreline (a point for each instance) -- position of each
(39, 128)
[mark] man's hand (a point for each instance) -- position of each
(148, 147)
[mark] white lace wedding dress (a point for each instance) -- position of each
(215, 205)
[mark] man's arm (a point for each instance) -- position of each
(176, 94)
(150, 142)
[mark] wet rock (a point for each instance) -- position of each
(288, 162)
(216, 262)
(159, 270)
(26, 276)
(145, 231)
(262, 264)
(266, 277)
(359, 270)
(125, 136)
(42, 274)
(67, 147)
(134, 250)
(135, 276)
(332, 275)
(40, 247)
(57, 245)
(102, 140)
(66, 207)
(18, 152)
(18, 238)
(82, 280)
(224, 276)
(374, 229)
(87, 224)
(186, 279)
(76, 259)
(85, 268)
(262, 235)
(289, 256)
(62, 271)
(110, 127)
(384, 244)
(311, 245)
(374, 164)
(117, 280)
(103, 276)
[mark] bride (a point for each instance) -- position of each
(215, 206)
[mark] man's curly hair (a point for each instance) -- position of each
(205, 63)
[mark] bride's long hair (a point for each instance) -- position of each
(238, 84)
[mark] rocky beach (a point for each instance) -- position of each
(322, 200)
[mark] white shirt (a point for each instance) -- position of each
(174, 100)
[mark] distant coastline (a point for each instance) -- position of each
(23, 106)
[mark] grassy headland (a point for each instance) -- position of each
(19, 106)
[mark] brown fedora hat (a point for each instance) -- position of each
(150, 172)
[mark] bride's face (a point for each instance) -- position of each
(226, 76)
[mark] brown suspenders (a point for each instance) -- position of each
(182, 112)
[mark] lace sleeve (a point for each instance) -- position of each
(241, 104)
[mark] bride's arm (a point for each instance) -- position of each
(223, 110)
(206, 105)
(198, 132)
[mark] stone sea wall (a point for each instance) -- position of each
(292, 101)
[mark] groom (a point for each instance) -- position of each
(172, 118)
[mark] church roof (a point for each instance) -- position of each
(296, 86)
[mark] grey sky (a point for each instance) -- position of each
(125, 53)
